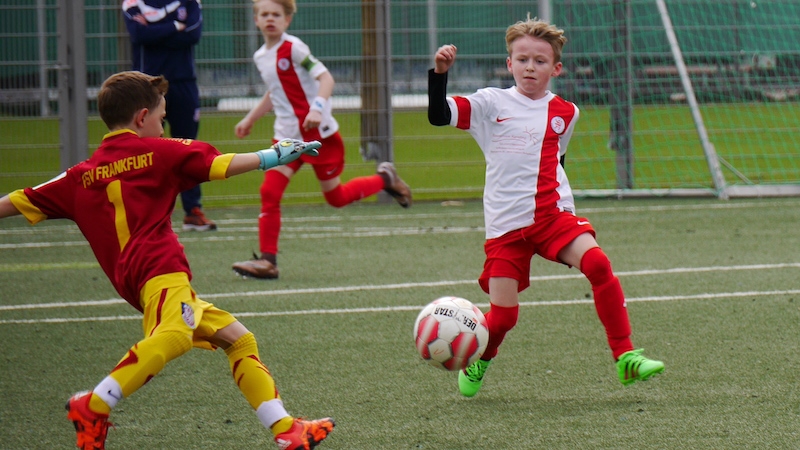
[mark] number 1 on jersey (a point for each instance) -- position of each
(114, 191)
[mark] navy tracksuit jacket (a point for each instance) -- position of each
(159, 48)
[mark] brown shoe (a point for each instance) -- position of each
(256, 268)
(197, 221)
(397, 187)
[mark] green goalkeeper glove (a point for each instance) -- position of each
(286, 151)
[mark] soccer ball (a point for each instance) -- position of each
(450, 333)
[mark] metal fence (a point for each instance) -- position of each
(736, 51)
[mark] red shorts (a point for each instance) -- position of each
(509, 256)
(330, 162)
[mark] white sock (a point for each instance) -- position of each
(270, 412)
(110, 391)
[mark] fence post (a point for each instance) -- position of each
(72, 106)
(621, 95)
(376, 84)
(41, 38)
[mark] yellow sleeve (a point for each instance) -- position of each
(26, 208)
(220, 166)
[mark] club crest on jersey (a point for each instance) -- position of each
(188, 315)
(558, 124)
(283, 64)
(182, 14)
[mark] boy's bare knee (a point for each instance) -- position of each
(225, 337)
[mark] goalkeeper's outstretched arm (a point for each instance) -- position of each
(7, 209)
(282, 152)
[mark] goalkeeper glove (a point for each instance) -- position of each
(286, 151)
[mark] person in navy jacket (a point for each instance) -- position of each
(163, 35)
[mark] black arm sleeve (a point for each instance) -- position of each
(438, 111)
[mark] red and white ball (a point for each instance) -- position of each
(450, 333)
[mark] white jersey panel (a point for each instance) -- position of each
(289, 71)
(515, 133)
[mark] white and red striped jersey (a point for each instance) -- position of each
(522, 141)
(290, 72)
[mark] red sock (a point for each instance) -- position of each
(353, 190)
(609, 300)
(269, 221)
(500, 320)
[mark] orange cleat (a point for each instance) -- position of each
(90, 427)
(305, 434)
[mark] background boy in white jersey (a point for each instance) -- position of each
(299, 88)
(529, 209)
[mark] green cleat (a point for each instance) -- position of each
(471, 378)
(632, 367)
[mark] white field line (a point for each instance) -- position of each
(286, 233)
(417, 307)
(72, 229)
(328, 232)
(289, 292)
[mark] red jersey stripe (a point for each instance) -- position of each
(546, 195)
(293, 88)
(464, 112)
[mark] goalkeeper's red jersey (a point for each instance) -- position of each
(122, 199)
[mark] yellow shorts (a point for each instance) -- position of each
(170, 303)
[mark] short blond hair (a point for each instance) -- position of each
(538, 29)
(289, 6)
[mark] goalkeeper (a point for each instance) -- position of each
(122, 198)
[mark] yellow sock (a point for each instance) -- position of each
(282, 425)
(97, 405)
(250, 374)
(147, 357)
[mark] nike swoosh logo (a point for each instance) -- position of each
(583, 222)
(499, 120)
